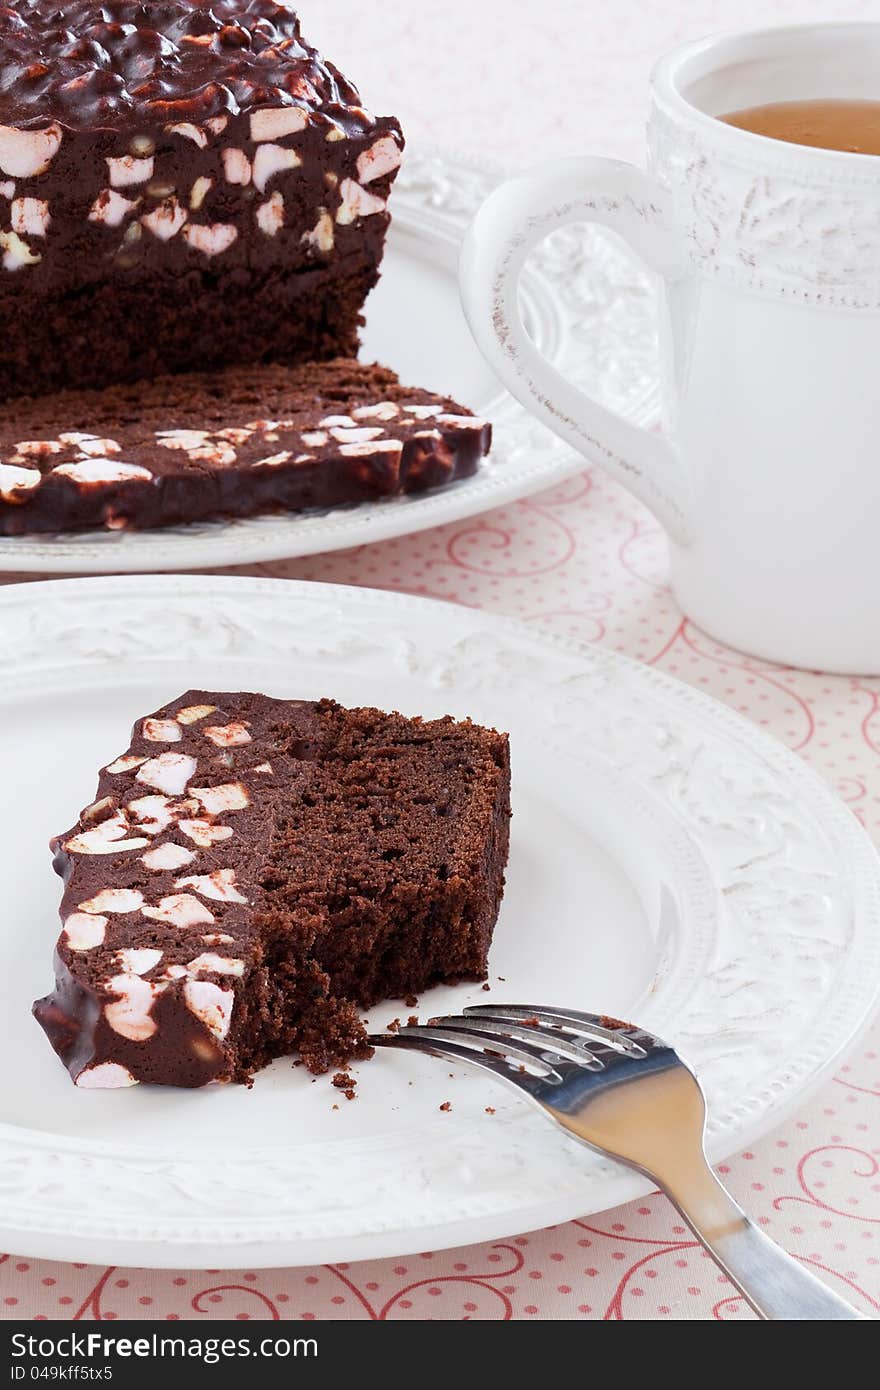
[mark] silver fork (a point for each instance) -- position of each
(628, 1095)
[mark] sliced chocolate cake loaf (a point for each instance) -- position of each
(253, 872)
(234, 443)
(183, 185)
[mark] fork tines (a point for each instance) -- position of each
(525, 1042)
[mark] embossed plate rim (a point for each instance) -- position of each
(673, 735)
(526, 456)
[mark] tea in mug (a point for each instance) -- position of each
(831, 123)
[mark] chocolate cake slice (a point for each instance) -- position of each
(232, 443)
(183, 185)
(253, 872)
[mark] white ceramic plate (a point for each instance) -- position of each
(589, 310)
(669, 864)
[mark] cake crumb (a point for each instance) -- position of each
(393, 1026)
(447, 1105)
(410, 1001)
(343, 1082)
(350, 1095)
(490, 1109)
(335, 1107)
(412, 1021)
(487, 986)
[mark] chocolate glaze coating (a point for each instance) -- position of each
(122, 64)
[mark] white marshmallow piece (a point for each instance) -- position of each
(462, 422)
(356, 202)
(96, 471)
(204, 833)
(358, 436)
(161, 731)
(321, 237)
(211, 241)
(30, 216)
(191, 714)
(275, 123)
(129, 1015)
(138, 960)
(113, 900)
(26, 153)
(270, 215)
(108, 837)
(169, 773)
(219, 885)
(84, 932)
(15, 479)
(180, 910)
(111, 208)
(38, 448)
(378, 446)
(228, 735)
(106, 1076)
(208, 962)
(16, 253)
(230, 796)
(189, 131)
(271, 160)
(236, 167)
(273, 460)
(127, 172)
(90, 444)
(166, 220)
(211, 1004)
(167, 857)
(153, 813)
(125, 763)
(379, 159)
(382, 410)
(199, 445)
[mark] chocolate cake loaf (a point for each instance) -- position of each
(255, 871)
(183, 185)
(231, 443)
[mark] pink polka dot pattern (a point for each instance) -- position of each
(584, 560)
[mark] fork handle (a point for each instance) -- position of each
(773, 1283)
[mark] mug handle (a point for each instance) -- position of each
(514, 218)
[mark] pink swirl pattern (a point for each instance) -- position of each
(583, 560)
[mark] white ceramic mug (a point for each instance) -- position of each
(767, 478)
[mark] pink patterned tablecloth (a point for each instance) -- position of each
(586, 560)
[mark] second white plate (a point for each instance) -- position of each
(669, 863)
(588, 308)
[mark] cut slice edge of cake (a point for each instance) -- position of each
(234, 443)
(254, 873)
